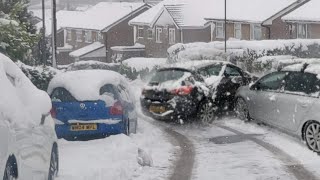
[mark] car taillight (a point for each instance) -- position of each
(116, 109)
(184, 90)
(53, 112)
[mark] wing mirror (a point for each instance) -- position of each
(256, 86)
(237, 80)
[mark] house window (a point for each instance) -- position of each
(220, 30)
(99, 36)
(79, 36)
(237, 31)
(302, 31)
(158, 34)
(88, 36)
(172, 36)
(255, 32)
(150, 33)
(140, 32)
(69, 35)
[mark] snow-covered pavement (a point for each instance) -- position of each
(116, 157)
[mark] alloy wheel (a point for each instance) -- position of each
(206, 113)
(241, 110)
(312, 135)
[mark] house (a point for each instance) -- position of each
(106, 22)
(186, 21)
(304, 22)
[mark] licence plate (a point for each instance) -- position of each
(83, 127)
(157, 109)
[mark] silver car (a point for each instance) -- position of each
(288, 100)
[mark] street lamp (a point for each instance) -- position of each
(54, 34)
(225, 26)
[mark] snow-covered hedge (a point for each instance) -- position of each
(245, 52)
(40, 76)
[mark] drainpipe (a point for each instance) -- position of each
(181, 35)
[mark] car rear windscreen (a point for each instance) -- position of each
(62, 95)
(167, 75)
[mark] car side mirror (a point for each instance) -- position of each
(237, 80)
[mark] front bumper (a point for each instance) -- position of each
(178, 107)
(64, 130)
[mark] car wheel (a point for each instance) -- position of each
(242, 110)
(312, 136)
(54, 164)
(9, 173)
(206, 112)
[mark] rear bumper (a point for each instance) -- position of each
(180, 107)
(64, 130)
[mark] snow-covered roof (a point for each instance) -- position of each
(251, 11)
(64, 18)
(191, 13)
(103, 15)
(22, 104)
(150, 16)
(87, 49)
(84, 85)
(307, 12)
(140, 63)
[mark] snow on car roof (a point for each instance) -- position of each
(140, 63)
(21, 103)
(313, 66)
(84, 85)
(192, 65)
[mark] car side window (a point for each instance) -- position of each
(232, 71)
(272, 81)
(203, 72)
(299, 82)
(62, 95)
(214, 70)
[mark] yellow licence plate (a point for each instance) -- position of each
(157, 109)
(84, 127)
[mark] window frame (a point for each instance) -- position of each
(69, 35)
(148, 33)
(79, 36)
(140, 30)
(86, 39)
(159, 32)
(308, 94)
(222, 26)
(305, 27)
(239, 28)
(253, 31)
(258, 83)
(172, 35)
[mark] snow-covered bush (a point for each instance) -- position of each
(40, 76)
(245, 52)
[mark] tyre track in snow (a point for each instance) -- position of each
(291, 164)
(183, 165)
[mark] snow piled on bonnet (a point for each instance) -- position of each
(84, 85)
(140, 63)
(22, 104)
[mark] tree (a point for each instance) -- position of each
(18, 36)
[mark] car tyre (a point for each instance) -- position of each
(312, 136)
(54, 163)
(9, 172)
(127, 128)
(206, 112)
(242, 110)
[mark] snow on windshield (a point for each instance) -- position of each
(21, 102)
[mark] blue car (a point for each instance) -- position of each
(92, 103)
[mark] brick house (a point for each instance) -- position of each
(106, 22)
(304, 22)
(183, 21)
